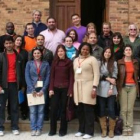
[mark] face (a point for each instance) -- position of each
(40, 40)
(91, 29)
(36, 16)
(51, 24)
(10, 28)
(72, 34)
(107, 54)
(76, 20)
(9, 45)
(30, 29)
(37, 55)
(61, 53)
(132, 30)
(68, 42)
(85, 50)
(106, 29)
(92, 39)
(128, 52)
(18, 41)
(116, 40)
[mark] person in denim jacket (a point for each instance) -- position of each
(37, 71)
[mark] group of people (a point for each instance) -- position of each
(96, 71)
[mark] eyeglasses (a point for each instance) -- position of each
(133, 29)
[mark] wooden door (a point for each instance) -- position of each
(62, 11)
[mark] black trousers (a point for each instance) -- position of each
(11, 93)
(60, 96)
(85, 114)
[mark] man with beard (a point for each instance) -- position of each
(53, 36)
(9, 31)
(81, 30)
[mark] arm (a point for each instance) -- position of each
(137, 54)
(52, 76)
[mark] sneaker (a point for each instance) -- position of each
(38, 133)
(79, 134)
(86, 136)
(33, 133)
(124, 133)
(15, 132)
(1, 133)
(130, 133)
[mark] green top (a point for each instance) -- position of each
(115, 47)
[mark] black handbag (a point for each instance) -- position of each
(119, 126)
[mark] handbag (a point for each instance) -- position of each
(119, 126)
(70, 112)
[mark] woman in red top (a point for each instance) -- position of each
(127, 88)
(61, 86)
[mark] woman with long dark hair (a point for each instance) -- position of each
(61, 86)
(107, 91)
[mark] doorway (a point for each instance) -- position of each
(93, 11)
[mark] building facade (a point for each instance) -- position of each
(118, 12)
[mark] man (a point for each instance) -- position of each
(30, 41)
(53, 36)
(81, 30)
(10, 28)
(11, 80)
(38, 25)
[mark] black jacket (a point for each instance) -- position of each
(20, 65)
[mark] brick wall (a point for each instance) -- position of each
(20, 12)
(123, 12)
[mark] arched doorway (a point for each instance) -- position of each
(63, 9)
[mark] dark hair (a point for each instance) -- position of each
(39, 49)
(68, 37)
(110, 64)
(121, 44)
(8, 38)
(75, 14)
(40, 35)
(128, 45)
(22, 39)
(28, 25)
(82, 45)
(76, 35)
(51, 18)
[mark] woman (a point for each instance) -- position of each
(107, 91)
(37, 75)
(70, 49)
(91, 28)
(105, 39)
(117, 45)
(61, 86)
(96, 49)
(132, 37)
(74, 36)
(86, 72)
(19, 47)
(127, 84)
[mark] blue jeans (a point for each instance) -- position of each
(108, 102)
(37, 116)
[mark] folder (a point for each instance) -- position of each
(21, 97)
(35, 100)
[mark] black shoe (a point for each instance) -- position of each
(51, 133)
(9, 117)
(23, 117)
(62, 134)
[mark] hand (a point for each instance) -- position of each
(93, 94)
(0, 89)
(23, 89)
(51, 92)
(111, 80)
(40, 93)
(34, 94)
(70, 95)
(110, 92)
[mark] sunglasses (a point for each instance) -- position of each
(133, 29)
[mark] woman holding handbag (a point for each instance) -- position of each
(61, 86)
(86, 71)
(127, 84)
(107, 91)
(37, 75)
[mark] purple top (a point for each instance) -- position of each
(81, 31)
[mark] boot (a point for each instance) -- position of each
(103, 126)
(112, 124)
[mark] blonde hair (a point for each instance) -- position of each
(34, 11)
(132, 24)
(106, 23)
(91, 24)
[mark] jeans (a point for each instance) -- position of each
(11, 93)
(127, 100)
(110, 103)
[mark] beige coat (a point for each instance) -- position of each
(85, 81)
